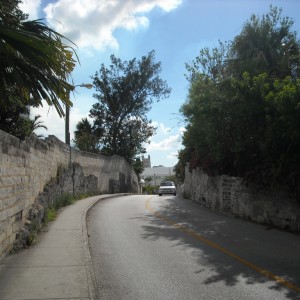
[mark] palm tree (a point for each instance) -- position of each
(85, 138)
(36, 124)
(266, 45)
(34, 60)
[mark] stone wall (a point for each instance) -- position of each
(56, 194)
(228, 194)
(27, 166)
(108, 170)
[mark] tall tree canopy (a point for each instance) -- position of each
(243, 106)
(267, 44)
(125, 93)
(35, 61)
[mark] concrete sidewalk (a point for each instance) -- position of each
(59, 266)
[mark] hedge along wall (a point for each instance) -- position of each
(27, 166)
(228, 194)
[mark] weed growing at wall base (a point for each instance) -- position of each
(50, 215)
(62, 201)
(33, 232)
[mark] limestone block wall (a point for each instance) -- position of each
(67, 181)
(228, 194)
(27, 166)
(108, 170)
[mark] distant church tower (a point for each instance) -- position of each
(146, 162)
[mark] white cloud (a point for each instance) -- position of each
(172, 142)
(30, 7)
(182, 130)
(164, 129)
(161, 127)
(165, 151)
(166, 144)
(159, 142)
(91, 23)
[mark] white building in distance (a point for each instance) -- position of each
(157, 174)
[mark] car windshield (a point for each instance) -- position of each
(167, 183)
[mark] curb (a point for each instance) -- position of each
(91, 278)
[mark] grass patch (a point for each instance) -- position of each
(51, 214)
(62, 201)
(68, 199)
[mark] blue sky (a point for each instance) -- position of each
(175, 29)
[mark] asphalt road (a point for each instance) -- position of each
(151, 247)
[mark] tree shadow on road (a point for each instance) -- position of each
(231, 234)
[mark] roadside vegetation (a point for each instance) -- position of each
(62, 201)
(242, 113)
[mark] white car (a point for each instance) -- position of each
(167, 187)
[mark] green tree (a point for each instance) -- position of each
(36, 63)
(85, 138)
(281, 147)
(148, 179)
(242, 112)
(15, 120)
(125, 93)
(183, 157)
(138, 166)
(211, 63)
(267, 45)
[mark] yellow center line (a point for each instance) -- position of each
(199, 237)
